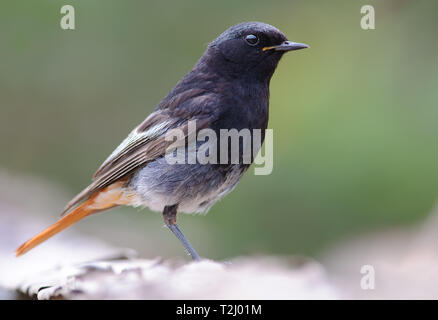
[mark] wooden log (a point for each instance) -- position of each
(243, 278)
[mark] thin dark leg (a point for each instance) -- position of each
(169, 216)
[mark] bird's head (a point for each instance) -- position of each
(249, 50)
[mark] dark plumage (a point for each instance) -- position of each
(228, 88)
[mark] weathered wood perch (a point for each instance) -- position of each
(248, 278)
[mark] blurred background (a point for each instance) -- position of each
(354, 117)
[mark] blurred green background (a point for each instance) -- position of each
(354, 117)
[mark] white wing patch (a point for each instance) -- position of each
(135, 137)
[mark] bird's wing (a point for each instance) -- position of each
(144, 144)
(150, 129)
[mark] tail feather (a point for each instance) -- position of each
(77, 214)
(105, 199)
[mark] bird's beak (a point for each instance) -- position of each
(287, 46)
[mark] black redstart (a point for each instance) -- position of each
(228, 88)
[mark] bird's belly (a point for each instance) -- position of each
(194, 187)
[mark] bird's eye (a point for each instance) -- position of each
(252, 40)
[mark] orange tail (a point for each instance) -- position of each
(105, 199)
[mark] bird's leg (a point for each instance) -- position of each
(169, 216)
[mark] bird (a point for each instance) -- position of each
(228, 88)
